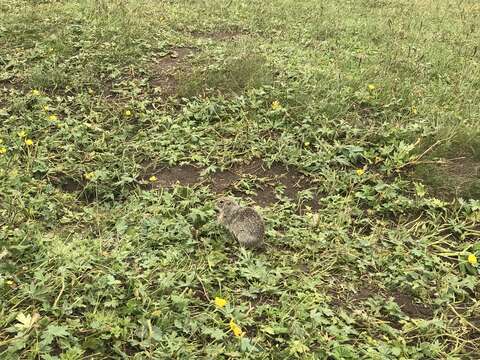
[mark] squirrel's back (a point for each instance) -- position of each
(247, 226)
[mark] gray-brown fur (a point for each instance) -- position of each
(244, 223)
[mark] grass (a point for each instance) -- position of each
(233, 76)
(352, 126)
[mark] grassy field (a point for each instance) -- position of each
(351, 125)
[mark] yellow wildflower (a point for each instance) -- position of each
(360, 171)
(90, 175)
(237, 331)
(276, 105)
(152, 178)
(28, 142)
(219, 302)
(53, 117)
(307, 144)
(3, 149)
(157, 313)
(22, 134)
(45, 108)
(414, 110)
(371, 87)
(472, 259)
(35, 92)
(9, 282)
(127, 113)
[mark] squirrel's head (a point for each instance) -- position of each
(225, 203)
(225, 207)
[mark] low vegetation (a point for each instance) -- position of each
(352, 126)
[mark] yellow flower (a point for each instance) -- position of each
(219, 302)
(276, 105)
(28, 142)
(127, 113)
(472, 259)
(152, 178)
(22, 134)
(371, 87)
(35, 92)
(90, 175)
(53, 117)
(3, 149)
(237, 331)
(307, 144)
(45, 108)
(414, 110)
(360, 172)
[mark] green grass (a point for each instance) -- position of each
(235, 75)
(376, 103)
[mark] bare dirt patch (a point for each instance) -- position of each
(342, 297)
(223, 180)
(70, 185)
(165, 68)
(406, 302)
(7, 85)
(265, 180)
(411, 308)
(364, 293)
(185, 175)
(66, 183)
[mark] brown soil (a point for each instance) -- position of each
(67, 184)
(7, 85)
(364, 293)
(223, 180)
(265, 179)
(185, 175)
(165, 68)
(292, 181)
(406, 302)
(411, 308)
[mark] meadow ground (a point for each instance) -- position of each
(352, 126)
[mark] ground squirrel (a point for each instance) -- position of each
(244, 223)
